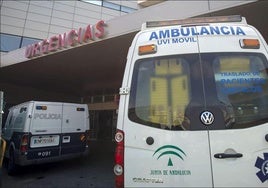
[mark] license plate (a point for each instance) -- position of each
(45, 141)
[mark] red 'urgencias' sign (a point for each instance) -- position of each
(72, 38)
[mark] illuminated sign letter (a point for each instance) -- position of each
(53, 44)
(63, 40)
(80, 33)
(36, 50)
(72, 38)
(88, 35)
(100, 28)
(28, 51)
(44, 46)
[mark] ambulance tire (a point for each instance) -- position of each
(11, 167)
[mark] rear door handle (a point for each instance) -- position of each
(227, 155)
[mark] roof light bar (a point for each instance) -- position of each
(214, 19)
(80, 109)
(41, 107)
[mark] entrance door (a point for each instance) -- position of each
(102, 123)
(105, 124)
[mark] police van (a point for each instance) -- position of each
(39, 132)
(193, 106)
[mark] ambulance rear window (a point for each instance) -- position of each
(161, 92)
(172, 92)
(242, 83)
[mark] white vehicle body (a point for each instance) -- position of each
(39, 132)
(193, 108)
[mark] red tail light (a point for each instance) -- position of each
(119, 159)
(24, 144)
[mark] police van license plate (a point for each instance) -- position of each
(44, 141)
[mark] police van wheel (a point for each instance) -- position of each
(11, 167)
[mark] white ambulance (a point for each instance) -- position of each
(193, 106)
(39, 132)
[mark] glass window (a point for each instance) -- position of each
(111, 5)
(27, 41)
(94, 2)
(171, 92)
(127, 9)
(242, 82)
(9, 120)
(160, 92)
(9, 42)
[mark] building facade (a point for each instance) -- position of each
(26, 22)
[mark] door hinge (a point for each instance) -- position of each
(124, 90)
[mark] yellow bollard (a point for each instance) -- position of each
(2, 151)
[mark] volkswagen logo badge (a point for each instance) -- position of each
(207, 118)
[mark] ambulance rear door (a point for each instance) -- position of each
(159, 152)
(236, 88)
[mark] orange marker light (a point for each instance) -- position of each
(250, 43)
(147, 49)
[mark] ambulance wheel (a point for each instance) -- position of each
(11, 167)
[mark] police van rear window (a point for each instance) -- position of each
(171, 92)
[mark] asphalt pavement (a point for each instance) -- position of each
(93, 170)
